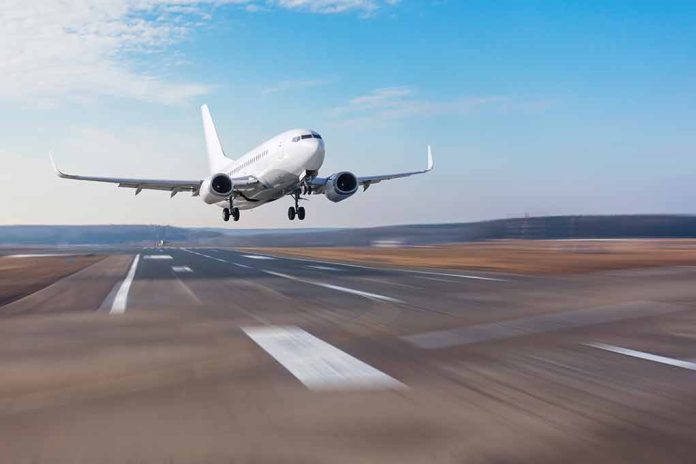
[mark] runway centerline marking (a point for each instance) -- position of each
(646, 356)
(206, 256)
(157, 257)
(181, 269)
(242, 265)
(326, 268)
(258, 257)
(317, 364)
(121, 299)
(371, 296)
(390, 269)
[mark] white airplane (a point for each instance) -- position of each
(287, 164)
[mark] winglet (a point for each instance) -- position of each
(55, 168)
(430, 159)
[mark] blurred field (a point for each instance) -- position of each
(521, 256)
(22, 276)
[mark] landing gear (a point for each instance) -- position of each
(296, 210)
(232, 211)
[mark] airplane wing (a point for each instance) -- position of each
(366, 181)
(173, 186)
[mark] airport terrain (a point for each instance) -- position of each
(188, 354)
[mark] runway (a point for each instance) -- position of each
(205, 355)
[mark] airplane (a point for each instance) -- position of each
(287, 164)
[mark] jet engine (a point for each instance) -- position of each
(341, 186)
(216, 188)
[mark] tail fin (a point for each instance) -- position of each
(216, 156)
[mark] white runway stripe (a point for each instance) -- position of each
(390, 269)
(647, 356)
(371, 296)
(121, 299)
(315, 363)
(326, 268)
(257, 257)
(42, 255)
(242, 265)
(181, 269)
(157, 257)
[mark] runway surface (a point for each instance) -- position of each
(210, 355)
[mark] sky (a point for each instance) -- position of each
(531, 107)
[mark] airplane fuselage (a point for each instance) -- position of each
(279, 164)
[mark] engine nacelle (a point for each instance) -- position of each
(216, 188)
(341, 186)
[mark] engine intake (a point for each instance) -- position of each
(341, 186)
(217, 188)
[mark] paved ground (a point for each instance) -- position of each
(217, 356)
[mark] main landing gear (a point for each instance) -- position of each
(296, 210)
(231, 211)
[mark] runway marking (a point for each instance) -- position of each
(538, 324)
(242, 265)
(157, 257)
(647, 356)
(317, 364)
(371, 296)
(121, 299)
(207, 256)
(436, 279)
(181, 269)
(391, 269)
(326, 268)
(258, 257)
(41, 255)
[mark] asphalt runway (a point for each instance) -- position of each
(220, 356)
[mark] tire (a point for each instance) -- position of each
(225, 214)
(301, 213)
(291, 213)
(235, 214)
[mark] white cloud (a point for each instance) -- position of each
(333, 6)
(388, 104)
(52, 49)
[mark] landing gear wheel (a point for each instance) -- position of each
(301, 213)
(235, 214)
(291, 213)
(226, 214)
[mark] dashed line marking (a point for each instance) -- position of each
(181, 269)
(646, 356)
(317, 364)
(157, 257)
(371, 296)
(258, 257)
(242, 265)
(326, 268)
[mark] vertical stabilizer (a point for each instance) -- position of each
(216, 157)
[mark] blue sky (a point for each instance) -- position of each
(544, 107)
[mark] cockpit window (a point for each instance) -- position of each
(307, 136)
(316, 136)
